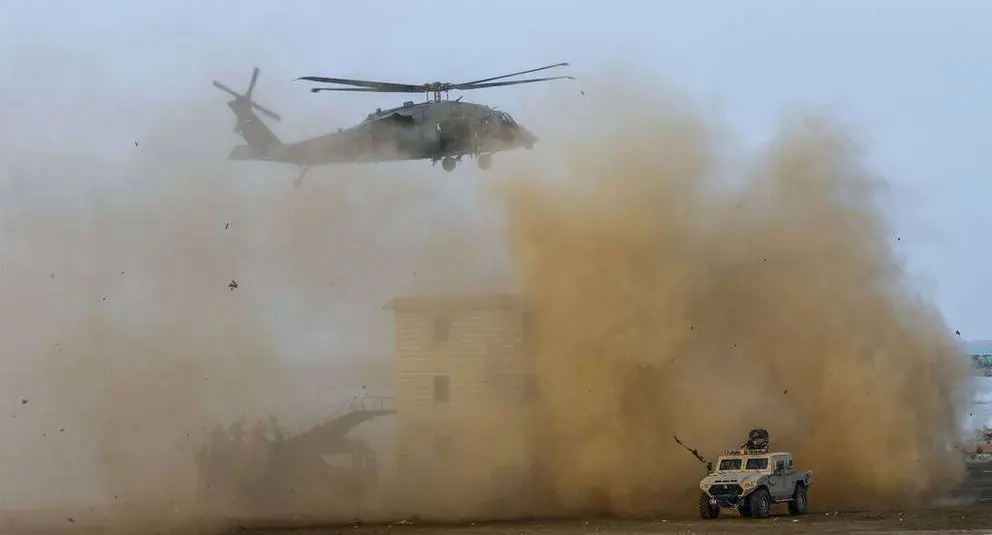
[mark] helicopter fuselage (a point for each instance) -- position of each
(427, 130)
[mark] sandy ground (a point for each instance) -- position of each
(970, 519)
(973, 519)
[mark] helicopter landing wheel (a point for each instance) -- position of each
(485, 161)
(448, 163)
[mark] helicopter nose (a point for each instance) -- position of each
(527, 138)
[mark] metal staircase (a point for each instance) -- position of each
(340, 422)
(265, 472)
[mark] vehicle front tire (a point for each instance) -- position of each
(799, 500)
(760, 504)
(707, 511)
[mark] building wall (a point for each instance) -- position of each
(463, 387)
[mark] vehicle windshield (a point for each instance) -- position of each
(730, 463)
(756, 463)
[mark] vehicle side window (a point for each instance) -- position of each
(757, 463)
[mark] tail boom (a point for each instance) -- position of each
(249, 153)
(251, 128)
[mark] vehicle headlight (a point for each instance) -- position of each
(748, 483)
(703, 485)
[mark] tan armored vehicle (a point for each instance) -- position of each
(751, 479)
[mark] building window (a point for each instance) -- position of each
(442, 389)
(442, 328)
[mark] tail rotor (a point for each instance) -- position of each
(244, 102)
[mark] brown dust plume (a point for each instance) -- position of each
(676, 291)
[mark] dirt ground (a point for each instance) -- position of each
(974, 519)
(958, 519)
(971, 519)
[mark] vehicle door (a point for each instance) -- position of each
(779, 480)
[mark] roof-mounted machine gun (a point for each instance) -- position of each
(757, 443)
(695, 453)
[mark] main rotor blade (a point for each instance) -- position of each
(512, 82)
(381, 86)
(514, 74)
(361, 90)
(251, 84)
(226, 89)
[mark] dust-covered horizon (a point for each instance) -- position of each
(680, 288)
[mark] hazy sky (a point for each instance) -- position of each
(911, 76)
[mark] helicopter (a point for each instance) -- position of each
(437, 129)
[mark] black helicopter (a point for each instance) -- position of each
(436, 129)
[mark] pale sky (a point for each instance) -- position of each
(911, 76)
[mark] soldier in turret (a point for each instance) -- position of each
(757, 439)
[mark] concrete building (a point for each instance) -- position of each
(463, 390)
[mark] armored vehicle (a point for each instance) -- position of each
(751, 479)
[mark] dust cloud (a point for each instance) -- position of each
(676, 291)
(680, 289)
(154, 290)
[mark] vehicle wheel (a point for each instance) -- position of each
(448, 163)
(706, 510)
(485, 161)
(760, 504)
(798, 504)
(744, 508)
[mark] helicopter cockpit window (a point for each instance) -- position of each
(505, 117)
